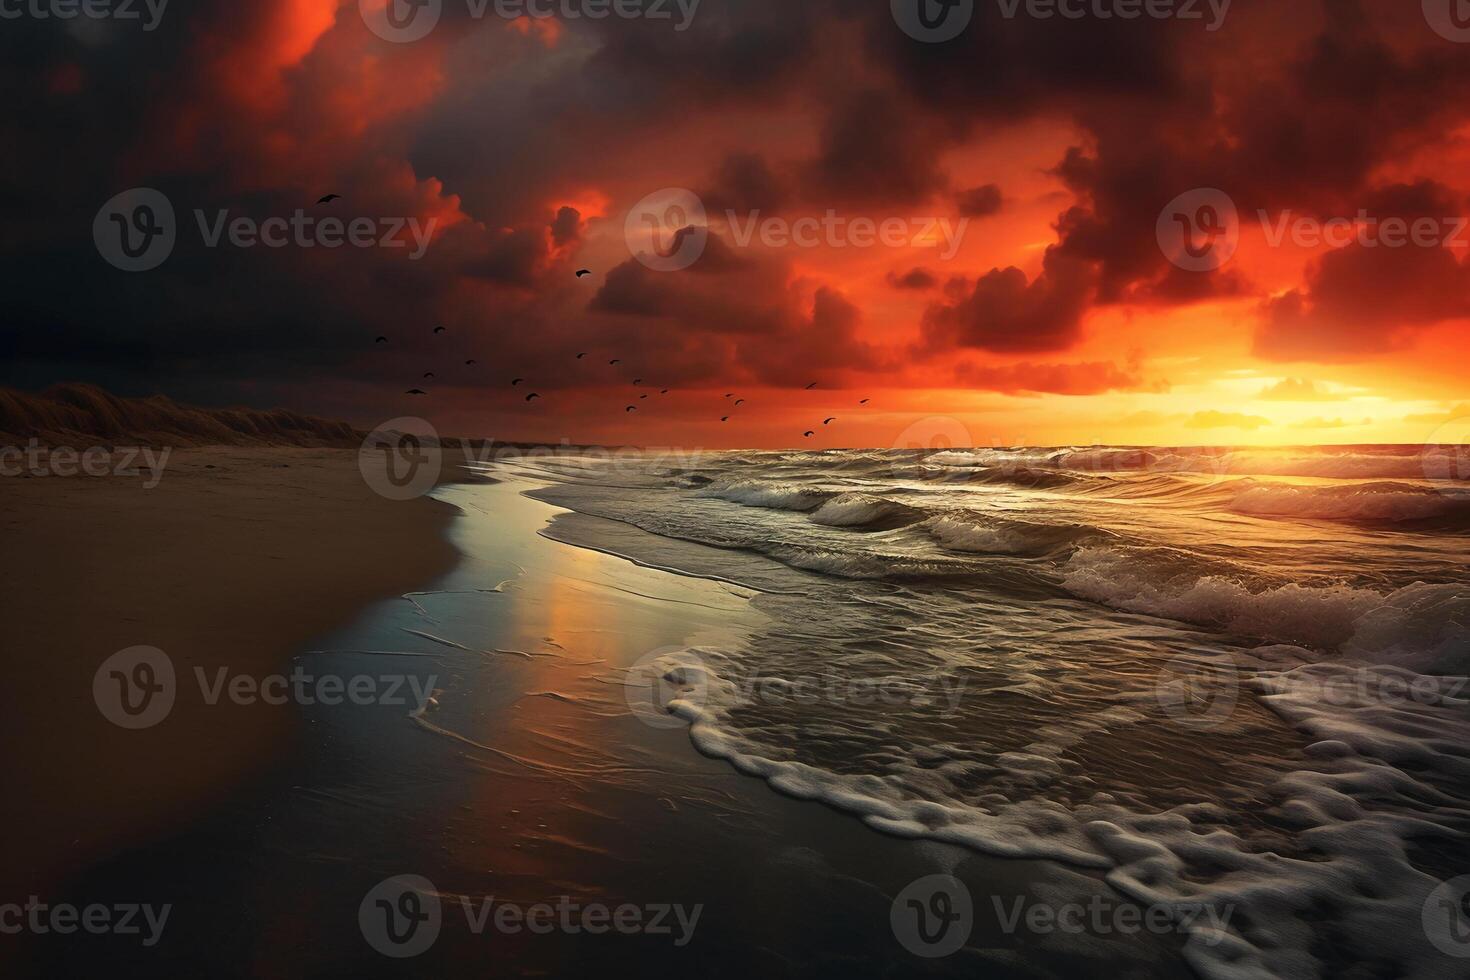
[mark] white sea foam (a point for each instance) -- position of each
(961, 535)
(1339, 804)
(852, 510)
(765, 493)
(1426, 625)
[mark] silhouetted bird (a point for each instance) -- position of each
(614, 361)
(440, 329)
(865, 401)
(631, 408)
(581, 355)
(532, 395)
(642, 397)
(469, 363)
(637, 381)
(730, 395)
(725, 419)
(829, 421)
(381, 340)
(415, 391)
(583, 273)
(664, 392)
(811, 386)
(428, 375)
(329, 199)
(740, 401)
(516, 382)
(808, 433)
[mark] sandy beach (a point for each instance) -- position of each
(531, 778)
(235, 558)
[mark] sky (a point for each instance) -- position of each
(983, 236)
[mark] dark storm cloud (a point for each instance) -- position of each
(495, 131)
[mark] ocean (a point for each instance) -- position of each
(1226, 679)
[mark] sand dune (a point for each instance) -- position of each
(72, 414)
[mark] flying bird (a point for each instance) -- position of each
(637, 381)
(470, 362)
(810, 386)
(381, 340)
(583, 273)
(664, 392)
(328, 199)
(865, 401)
(614, 361)
(516, 382)
(631, 408)
(415, 391)
(641, 397)
(808, 433)
(740, 401)
(581, 355)
(829, 421)
(725, 419)
(532, 395)
(428, 375)
(440, 329)
(730, 395)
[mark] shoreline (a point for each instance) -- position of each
(533, 780)
(235, 559)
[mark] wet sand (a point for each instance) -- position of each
(234, 559)
(530, 778)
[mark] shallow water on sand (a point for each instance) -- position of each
(529, 776)
(1231, 680)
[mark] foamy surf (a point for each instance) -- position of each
(1062, 593)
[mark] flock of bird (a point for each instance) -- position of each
(637, 382)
